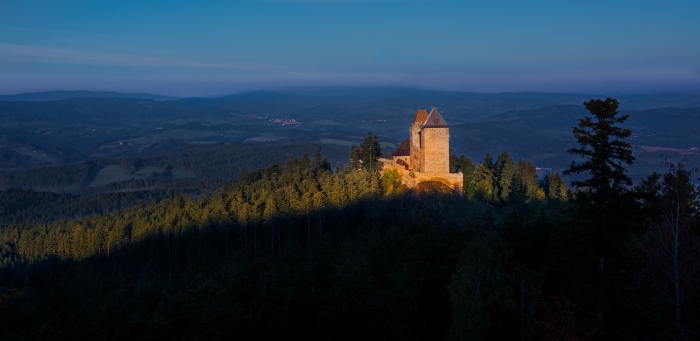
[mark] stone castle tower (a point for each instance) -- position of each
(425, 155)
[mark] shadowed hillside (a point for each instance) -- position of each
(298, 251)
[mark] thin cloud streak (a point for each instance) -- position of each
(207, 84)
(451, 45)
(44, 54)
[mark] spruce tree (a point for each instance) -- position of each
(526, 188)
(371, 150)
(320, 163)
(602, 196)
(354, 158)
(504, 171)
(605, 206)
(468, 169)
(603, 150)
(555, 187)
(488, 161)
(483, 183)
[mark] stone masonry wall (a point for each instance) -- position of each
(406, 159)
(436, 150)
(416, 162)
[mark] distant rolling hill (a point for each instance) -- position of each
(59, 127)
(668, 127)
(60, 95)
(543, 135)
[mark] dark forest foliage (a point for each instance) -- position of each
(300, 251)
(26, 205)
(212, 161)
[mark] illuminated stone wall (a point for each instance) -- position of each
(436, 150)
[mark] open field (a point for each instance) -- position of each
(264, 138)
(111, 173)
(114, 173)
(340, 142)
(179, 173)
(326, 123)
(652, 149)
(159, 137)
(35, 154)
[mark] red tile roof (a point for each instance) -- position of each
(421, 115)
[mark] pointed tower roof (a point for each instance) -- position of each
(420, 117)
(435, 120)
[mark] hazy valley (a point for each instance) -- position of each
(70, 128)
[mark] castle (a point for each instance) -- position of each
(425, 155)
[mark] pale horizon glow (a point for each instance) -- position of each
(184, 49)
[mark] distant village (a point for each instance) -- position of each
(282, 121)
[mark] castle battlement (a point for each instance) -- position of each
(425, 155)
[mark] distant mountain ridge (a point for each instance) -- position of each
(60, 95)
(302, 96)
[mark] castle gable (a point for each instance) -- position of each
(404, 149)
(435, 120)
(421, 116)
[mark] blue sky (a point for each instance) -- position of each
(193, 48)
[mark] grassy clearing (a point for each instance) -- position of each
(146, 172)
(213, 121)
(36, 155)
(652, 149)
(114, 173)
(206, 120)
(265, 138)
(111, 173)
(340, 142)
(326, 123)
(180, 173)
(158, 137)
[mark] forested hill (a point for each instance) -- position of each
(210, 161)
(298, 251)
(194, 244)
(531, 126)
(19, 206)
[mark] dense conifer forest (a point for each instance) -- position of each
(301, 251)
(210, 161)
